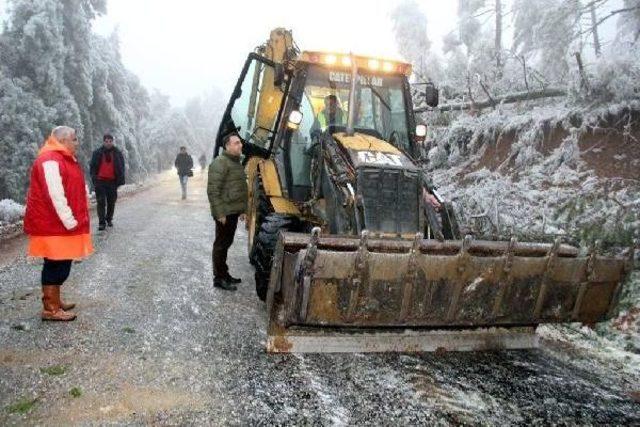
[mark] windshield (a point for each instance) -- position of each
(379, 108)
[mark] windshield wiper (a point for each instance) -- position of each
(379, 96)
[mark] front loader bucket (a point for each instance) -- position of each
(398, 286)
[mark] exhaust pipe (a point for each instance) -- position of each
(352, 97)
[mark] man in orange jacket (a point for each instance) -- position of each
(57, 217)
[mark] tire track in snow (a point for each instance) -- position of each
(338, 414)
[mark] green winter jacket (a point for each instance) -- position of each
(227, 186)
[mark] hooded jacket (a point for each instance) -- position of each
(57, 212)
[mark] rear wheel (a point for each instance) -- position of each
(264, 246)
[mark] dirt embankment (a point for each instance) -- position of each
(609, 146)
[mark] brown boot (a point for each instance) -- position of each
(51, 304)
(66, 306)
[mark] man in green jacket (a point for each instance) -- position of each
(227, 191)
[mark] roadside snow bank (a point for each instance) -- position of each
(10, 211)
(549, 172)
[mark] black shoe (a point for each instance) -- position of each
(101, 227)
(224, 284)
(233, 280)
(109, 224)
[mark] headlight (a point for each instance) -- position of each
(421, 131)
(295, 118)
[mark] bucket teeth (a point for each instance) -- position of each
(505, 281)
(591, 260)
(305, 271)
(508, 256)
(463, 255)
(410, 277)
(370, 281)
(552, 255)
(359, 278)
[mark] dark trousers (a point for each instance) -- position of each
(106, 195)
(55, 272)
(224, 239)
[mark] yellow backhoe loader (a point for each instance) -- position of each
(347, 253)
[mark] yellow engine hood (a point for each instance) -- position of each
(367, 150)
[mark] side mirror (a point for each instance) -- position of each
(431, 95)
(295, 118)
(278, 75)
(421, 133)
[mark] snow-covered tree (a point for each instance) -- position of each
(23, 116)
(204, 114)
(166, 129)
(629, 21)
(54, 70)
(545, 32)
(410, 29)
(469, 26)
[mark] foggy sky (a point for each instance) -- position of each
(187, 47)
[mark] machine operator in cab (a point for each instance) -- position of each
(331, 114)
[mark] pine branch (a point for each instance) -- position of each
(612, 13)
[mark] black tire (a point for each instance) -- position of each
(263, 208)
(264, 246)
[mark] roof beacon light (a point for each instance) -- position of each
(330, 59)
(345, 61)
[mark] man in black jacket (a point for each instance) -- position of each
(184, 165)
(107, 174)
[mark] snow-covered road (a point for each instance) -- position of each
(154, 342)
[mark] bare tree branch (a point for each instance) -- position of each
(612, 13)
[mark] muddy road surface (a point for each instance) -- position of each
(154, 342)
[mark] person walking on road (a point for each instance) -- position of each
(184, 165)
(227, 191)
(203, 161)
(107, 174)
(57, 218)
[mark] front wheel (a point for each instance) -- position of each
(265, 244)
(260, 207)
